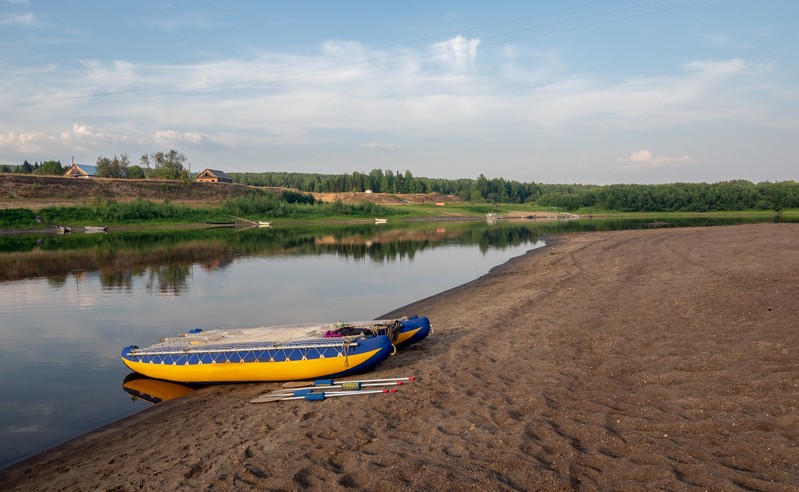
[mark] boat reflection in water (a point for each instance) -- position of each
(154, 390)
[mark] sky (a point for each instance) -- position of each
(571, 91)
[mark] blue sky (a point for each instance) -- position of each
(573, 91)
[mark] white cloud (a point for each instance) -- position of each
(522, 100)
(646, 159)
(457, 52)
(713, 68)
(108, 76)
(172, 137)
(84, 138)
(20, 142)
(338, 48)
(380, 146)
(25, 20)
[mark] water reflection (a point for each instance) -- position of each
(164, 259)
(153, 390)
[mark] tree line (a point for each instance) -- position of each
(45, 168)
(672, 197)
(482, 189)
(680, 197)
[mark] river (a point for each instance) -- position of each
(68, 304)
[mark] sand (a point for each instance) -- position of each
(656, 359)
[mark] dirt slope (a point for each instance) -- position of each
(29, 191)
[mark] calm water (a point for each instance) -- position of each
(68, 304)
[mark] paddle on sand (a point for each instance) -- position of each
(331, 382)
(318, 396)
(338, 388)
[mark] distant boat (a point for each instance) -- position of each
(95, 229)
(264, 224)
(62, 230)
(381, 221)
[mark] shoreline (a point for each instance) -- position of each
(658, 358)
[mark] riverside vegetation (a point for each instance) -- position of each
(484, 196)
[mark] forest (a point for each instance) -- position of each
(671, 197)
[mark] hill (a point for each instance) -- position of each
(386, 198)
(35, 192)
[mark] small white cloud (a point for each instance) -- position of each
(718, 39)
(26, 20)
(167, 136)
(84, 137)
(337, 48)
(19, 141)
(719, 68)
(384, 146)
(457, 52)
(646, 159)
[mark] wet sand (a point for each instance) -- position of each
(656, 359)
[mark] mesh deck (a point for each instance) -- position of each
(266, 337)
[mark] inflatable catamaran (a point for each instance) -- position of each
(276, 353)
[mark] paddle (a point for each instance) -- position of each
(345, 386)
(318, 396)
(331, 382)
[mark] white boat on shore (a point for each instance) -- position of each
(95, 229)
(381, 221)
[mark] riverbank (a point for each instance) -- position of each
(661, 358)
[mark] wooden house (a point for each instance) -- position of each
(81, 171)
(213, 176)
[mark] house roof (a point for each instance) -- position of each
(90, 170)
(217, 173)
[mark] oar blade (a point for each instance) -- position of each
(269, 398)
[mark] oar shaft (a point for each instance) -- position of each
(328, 382)
(331, 382)
(347, 386)
(323, 395)
(316, 396)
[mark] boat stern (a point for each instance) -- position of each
(414, 329)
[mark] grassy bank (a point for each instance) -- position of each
(291, 208)
(253, 208)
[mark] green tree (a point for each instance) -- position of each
(135, 172)
(169, 165)
(53, 168)
(480, 189)
(113, 168)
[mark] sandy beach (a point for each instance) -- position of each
(630, 360)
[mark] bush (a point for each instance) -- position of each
(16, 217)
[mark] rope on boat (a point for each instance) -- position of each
(346, 349)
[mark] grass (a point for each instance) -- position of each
(259, 207)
